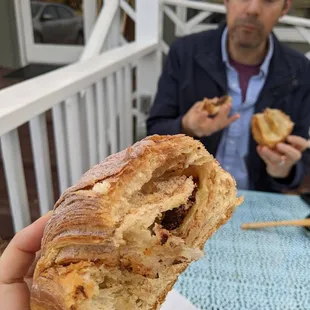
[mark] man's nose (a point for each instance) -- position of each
(254, 7)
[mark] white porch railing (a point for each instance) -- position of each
(28, 101)
(93, 109)
(94, 101)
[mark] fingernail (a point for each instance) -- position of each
(49, 213)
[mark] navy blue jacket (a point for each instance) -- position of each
(194, 69)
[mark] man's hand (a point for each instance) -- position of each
(198, 123)
(281, 160)
(299, 143)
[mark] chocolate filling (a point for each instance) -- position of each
(172, 219)
(163, 239)
(80, 290)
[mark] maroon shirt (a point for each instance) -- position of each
(245, 73)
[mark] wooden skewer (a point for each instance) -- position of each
(304, 223)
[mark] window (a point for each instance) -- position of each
(64, 13)
(35, 9)
(51, 10)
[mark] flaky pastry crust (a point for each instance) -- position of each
(120, 237)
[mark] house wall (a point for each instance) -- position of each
(9, 53)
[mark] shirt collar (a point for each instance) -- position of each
(264, 66)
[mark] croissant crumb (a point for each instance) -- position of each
(271, 127)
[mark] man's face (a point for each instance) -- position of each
(251, 21)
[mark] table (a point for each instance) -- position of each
(265, 269)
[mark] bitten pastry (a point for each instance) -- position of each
(271, 127)
(120, 237)
(212, 106)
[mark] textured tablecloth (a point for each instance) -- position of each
(265, 269)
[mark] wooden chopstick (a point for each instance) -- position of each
(304, 223)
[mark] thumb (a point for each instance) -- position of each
(22, 250)
(199, 106)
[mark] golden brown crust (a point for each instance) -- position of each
(212, 106)
(107, 233)
(271, 127)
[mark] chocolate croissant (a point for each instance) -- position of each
(271, 127)
(120, 237)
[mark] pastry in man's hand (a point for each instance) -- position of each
(271, 127)
(121, 236)
(212, 106)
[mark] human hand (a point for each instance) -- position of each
(17, 265)
(280, 161)
(299, 143)
(198, 123)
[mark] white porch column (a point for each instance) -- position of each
(148, 28)
(90, 16)
(181, 12)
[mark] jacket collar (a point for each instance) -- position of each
(281, 78)
(210, 59)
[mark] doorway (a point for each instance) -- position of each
(51, 31)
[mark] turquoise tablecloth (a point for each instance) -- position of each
(257, 269)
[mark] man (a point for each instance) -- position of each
(244, 60)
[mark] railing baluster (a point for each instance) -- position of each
(75, 137)
(196, 20)
(305, 33)
(42, 163)
(164, 47)
(128, 106)
(61, 145)
(112, 106)
(102, 119)
(180, 24)
(128, 9)
(121, 107)
(181, 13)
(90, 106)
(15, 179)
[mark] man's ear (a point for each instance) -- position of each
(287, 6)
